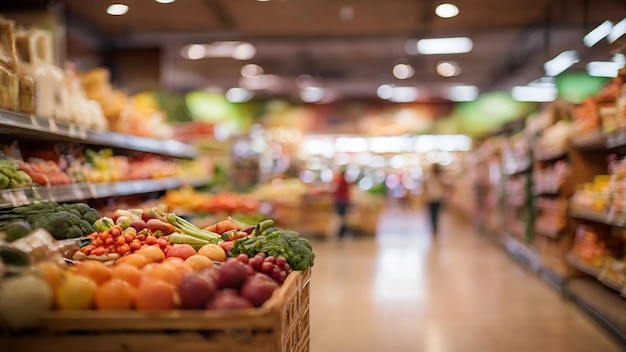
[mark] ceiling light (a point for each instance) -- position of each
(261, 82)
(598, 33)
(384, 91)
(534, 94)
(304, 80)
(251, 70)
(238, 95)
(463, 93)
(403, 71)
(312, 94)
(561, 63)
(117, 9)
(603, 68)
(244, 51)
(194, 52)
(165, 1)
(448, 69)
(447, 10)
(346, 13)
(454, 45)
(404, 94)
(618, 30)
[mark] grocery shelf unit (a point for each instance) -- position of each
(31, 130)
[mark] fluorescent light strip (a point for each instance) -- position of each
(618, 30)
(534, 94)
(603, 68)
(561, 62)
(463, 93)
(436, 46)
(404, 94)
(598, 33)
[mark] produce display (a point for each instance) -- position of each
(145, 260)
(189, 200)
(11, 177)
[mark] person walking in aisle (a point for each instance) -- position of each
(342, 200)
(434, 188)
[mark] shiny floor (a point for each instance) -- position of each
(404, 291)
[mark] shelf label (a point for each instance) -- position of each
(34, 122)
(72, 130)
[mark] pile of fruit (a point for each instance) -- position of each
(190, 200)
(11, 177)
(148, 260)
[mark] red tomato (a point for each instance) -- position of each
(105, 235)
(99, 251)
(112, 248)
(123, 249)
(119, 241)
(109, 241)
(135, 245)
(151, 240)
(162, 242)
(116, 231)
(141, 237)
(88, 248)
(128, 238)
(98, 242)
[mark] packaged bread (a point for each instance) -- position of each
(9, 81)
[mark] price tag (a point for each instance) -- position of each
(34, 122)
(53, 126)
(92, 190)
(82, 132)
(72, 130)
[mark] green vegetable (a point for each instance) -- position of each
(190, 229)
(16, 230)
(4, 181)
(261, 227)
(303, 256)
(12, 256)
(179, 238)
(103, 224)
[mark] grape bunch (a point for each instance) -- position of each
(274, 267)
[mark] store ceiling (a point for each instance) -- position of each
(512, 39)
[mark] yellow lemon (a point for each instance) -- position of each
(75, 293)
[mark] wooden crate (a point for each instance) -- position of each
(280, 325)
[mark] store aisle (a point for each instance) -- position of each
(401, 291)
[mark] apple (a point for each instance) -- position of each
(182, 251)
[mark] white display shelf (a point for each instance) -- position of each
(23, 125)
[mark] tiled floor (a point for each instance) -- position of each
(402, 291)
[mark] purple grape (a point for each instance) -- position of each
(255, 263)
(282, 276)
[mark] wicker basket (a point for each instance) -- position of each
(281, 324)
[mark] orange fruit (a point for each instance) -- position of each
(93, 269)
(174, 260)
(136, 260)
(153, 254)
(115, 294)
(213, 252)
(76, 292)
(163, 272)
(156, 295)
(126, 272)
(51, 272)
(198, 262)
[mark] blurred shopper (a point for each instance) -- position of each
(342, 200)
(434, 188)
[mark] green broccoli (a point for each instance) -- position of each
(303, 256)
(91, 216)
(61, 224)
(85, 227)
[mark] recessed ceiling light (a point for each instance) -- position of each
(238, 95)
(463, 93)
(403, 71)
(447, 10)
(454, 45)
(312, 94)
(194, 52)
(244, 51)
(535, 94)
(384, 91)
(165, 1)
(448, 69)
(251, 70)
(117, 9)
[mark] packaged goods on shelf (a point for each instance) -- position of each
(550, 179)
(593, 195)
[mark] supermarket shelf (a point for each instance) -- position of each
(589, 141)
(608, 308)
(616, 140)
(550, 234)
(596, 216)
(550, 154)
(576, 262)
(81, 191)
(547, 192)
(30, 126)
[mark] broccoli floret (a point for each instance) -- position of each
(73, 232)
(91, 216)
(58, 224)
(302, 250)
(80, 207)
(85, 227)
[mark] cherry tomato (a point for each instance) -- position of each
(99, 251)
(109, 241)
(128, 238)
(88, 248)
(112, 248)
(123, 249)
(166, 249)
(98, 242)
(141, 237)
(105, 235)
(116, 231)
(151, 240)
(120, 241)
(162, 242)
(135, 245)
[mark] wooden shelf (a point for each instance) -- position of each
(596, 216)
(82, 191)
(28, 126)
(589, 141)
